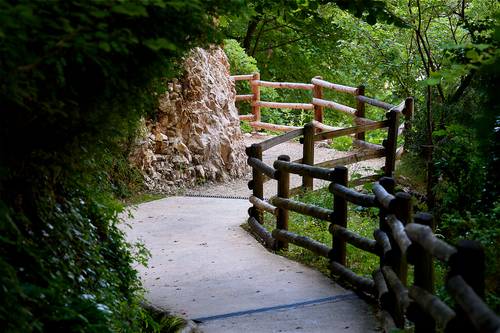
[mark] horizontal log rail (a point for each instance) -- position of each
(284, 85)
(302, 241)
(432, 305)
(424, 236)
(351, 130)
(304, 170)
(262, 167)
(363, 243)
(334, 86)
(375, 102)
(353, 196)
(335, 106)
(280, 105)
(248, 117)
(352, 158)
(273, 127)
(304, 209)
(386, 199)
(364, 284)
(244, 77)
(261, 232)
(263, 205)
(239, 98)
(398, 232)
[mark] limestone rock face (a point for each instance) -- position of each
(196, 135)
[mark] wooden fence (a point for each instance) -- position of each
(402, 239)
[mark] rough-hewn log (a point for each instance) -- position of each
(334, 86)
(257, 182)
(261, 232)
(432, 305)
(324, 127)
(339, 251)
(423, 235)
(382, 290)
(283, 192)
(335, 106)
(387, 200)
(364, 284)
(273, 127)
(256, 96)
(398, 233)
(397, 288)
(382, 241)
(363, 180)
(367, 145)
(241, 77)
(318, 93)
(285, 85)
(279, 105)
(302, 241)
(281, 138)
(375, 102)
(304, 170)
(391, 143)
(366, 244)
(262, 167)
(308, 154)
(353, 158)
(302, 208)
(263, 205)
(482, 317)
(350, 130)
(238, 98)
(246, 117)
(353, 196)
(360, 110)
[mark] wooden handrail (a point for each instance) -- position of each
(284, 85)
(334, 86)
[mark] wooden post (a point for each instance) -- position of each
(360, 110)
(403, 213)
(339, 216)
(257, 182)
(318, 93)
(423, 276)
(469, 263)
(391, 143)
(308, 154)
(256, 97)
(283, 192)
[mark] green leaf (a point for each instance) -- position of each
(130, 9)
(159, 44)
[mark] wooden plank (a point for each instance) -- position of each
(238, 98)
(241, 77)
(302, 241)
(247, 117)
(304, 209)
(304, 170)
(335, 106)
(359, 282)
(351, 130)
(262, 167)
(353, 196)
(263, 205)
(363, 243)
(424, 236)
(261, 232)
(273, 127)
(279, 105)
(285, 85)
(353, 158)
(334, 86)
(482, 317)
(281, 138)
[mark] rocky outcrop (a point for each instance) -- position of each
(196, 136)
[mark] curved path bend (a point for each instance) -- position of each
(205, 267)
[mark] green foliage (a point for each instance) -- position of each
(75, 78)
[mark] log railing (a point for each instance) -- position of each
(318, 104)
(401, 239)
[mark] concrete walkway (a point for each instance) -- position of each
(205, 267)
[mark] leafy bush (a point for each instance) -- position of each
(75, 78)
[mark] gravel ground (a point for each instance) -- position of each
(239, 188)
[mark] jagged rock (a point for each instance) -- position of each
(196, 135)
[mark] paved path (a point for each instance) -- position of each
(205, 267)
